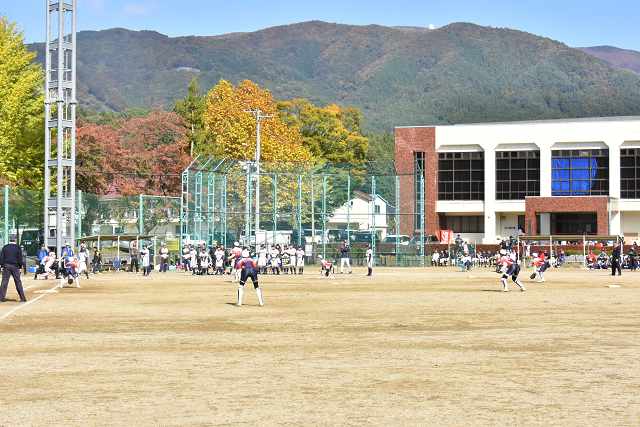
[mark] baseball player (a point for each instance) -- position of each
(70, 272)
(509, 268)
(236, 254)
(83, 258)
(248, 269)
(275, 260)
(300, 255)
(369, 256)
(292, 259)
(262, 260)
(345, 250)
(47, 262)
(326, 267)
(539, 266)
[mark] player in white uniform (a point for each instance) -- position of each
(262, 260)
(369, 256)
(292, 259)
(205, 262)
(300, 259)
(83, 258)
(219, 254)
(466, 261)
(284, 258)
(47, 262)
(275, 260)
(193, 257)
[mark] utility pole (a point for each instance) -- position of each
(259, 116)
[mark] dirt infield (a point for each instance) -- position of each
(408, 347)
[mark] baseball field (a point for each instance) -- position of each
(406, 347)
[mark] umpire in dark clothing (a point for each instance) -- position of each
(616, 260)
(11, 261)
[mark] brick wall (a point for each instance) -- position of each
(408, 141)
(597, 204)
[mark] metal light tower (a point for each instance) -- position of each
(60, 122)
(259, 116)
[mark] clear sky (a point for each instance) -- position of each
(575, 23)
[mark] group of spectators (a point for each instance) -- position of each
(604, 261)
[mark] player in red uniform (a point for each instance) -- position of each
(248, 268)
(509, 268)
(539, 266)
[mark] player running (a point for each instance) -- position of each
(509, 268)
(47, 263)
(248, 268)
(70, 272)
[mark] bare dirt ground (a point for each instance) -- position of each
(412, 347)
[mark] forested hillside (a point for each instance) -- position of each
(460, 73)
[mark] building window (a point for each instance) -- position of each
(461, 176)
(574, 223)
(377, 208)
(517, 174)
(419, 158)
(465, 224)
(630, 173)
(580, 173)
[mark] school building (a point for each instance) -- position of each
(484, 181)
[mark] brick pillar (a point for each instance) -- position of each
(408, 141)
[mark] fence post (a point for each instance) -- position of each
(140, 210)
(6, 214)
(79, 213)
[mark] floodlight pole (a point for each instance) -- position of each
(258, 115)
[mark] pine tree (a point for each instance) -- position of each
(191, 108)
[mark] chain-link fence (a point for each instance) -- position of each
(316, 205)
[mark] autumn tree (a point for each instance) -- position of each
(141, 155)
(21, 110)
(330, 133)
(233, 131)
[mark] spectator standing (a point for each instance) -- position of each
(42, 254)
(96, 261)
(67, 252)
(633, 257)
(24, 261)
(134, 258)
(11, 261)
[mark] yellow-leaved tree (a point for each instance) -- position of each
(229, 126)
(21, 110)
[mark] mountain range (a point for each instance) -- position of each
(460, 73)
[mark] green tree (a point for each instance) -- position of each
(21, 110)
(192, 108)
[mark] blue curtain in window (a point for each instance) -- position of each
(594, 167)
(560, 163)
